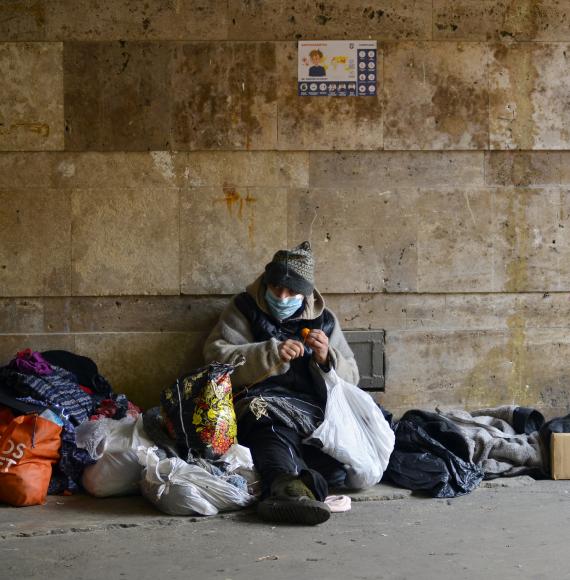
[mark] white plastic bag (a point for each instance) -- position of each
(237, 457)
(354, 432)
(114, 445)
(240, 462)
(179, 489)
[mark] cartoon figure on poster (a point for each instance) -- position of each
(316, 62)
(317, 59)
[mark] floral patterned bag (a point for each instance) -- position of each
(199, 408)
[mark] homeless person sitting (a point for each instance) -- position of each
(284, 395)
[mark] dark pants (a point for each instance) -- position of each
(278, 450)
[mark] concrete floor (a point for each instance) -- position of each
(515, 528)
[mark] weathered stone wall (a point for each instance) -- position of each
(154, 154)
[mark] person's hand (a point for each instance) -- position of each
(319, 342)
(290, 349)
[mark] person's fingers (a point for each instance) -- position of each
(293, 352)
(318, 335)
(290, 349)
(287, 350)
(297, 349)
(318, 340)
(323, 338)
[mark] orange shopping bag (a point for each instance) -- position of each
(29, 446)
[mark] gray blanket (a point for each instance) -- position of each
(493, 443)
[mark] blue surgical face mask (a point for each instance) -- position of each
(282, 308)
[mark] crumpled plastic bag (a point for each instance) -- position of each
(237, 457)
(114, 445)
(239, 461)
(354, 432)
(180, 489)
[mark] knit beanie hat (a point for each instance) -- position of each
(293, 269)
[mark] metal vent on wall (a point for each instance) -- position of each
(368, 348)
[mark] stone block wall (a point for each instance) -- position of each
(153, 155)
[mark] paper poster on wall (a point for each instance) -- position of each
(337, 68)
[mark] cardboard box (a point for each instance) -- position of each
(560, 455)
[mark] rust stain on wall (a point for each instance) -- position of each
(41, 129)
(233, 199)
(249, 200)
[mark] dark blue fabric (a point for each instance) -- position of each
(60, 390)
(84, 369)
(277, 449)
(317, 71)
(431, 455)
(527, 420)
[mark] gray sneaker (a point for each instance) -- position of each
(294, 510)
(291, 501)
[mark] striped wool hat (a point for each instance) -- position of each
(294, 269)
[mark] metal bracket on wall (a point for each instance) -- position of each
(368, 348)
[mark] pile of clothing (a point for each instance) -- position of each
(44, 398)
(449, 453)
(62, 429)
